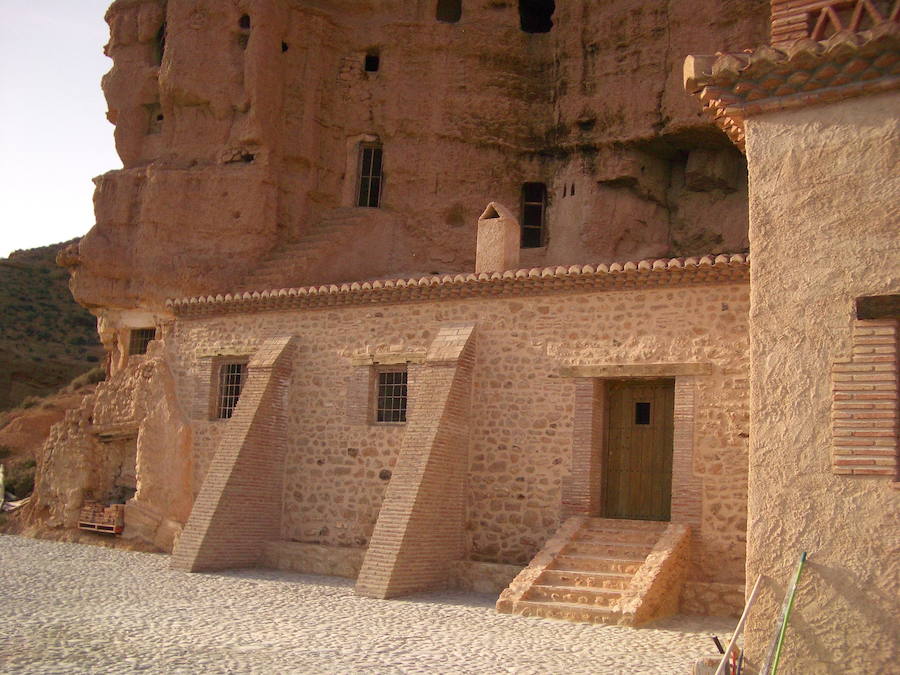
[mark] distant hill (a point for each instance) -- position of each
(46, 338)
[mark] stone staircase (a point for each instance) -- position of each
(600, 570)
(295, 263)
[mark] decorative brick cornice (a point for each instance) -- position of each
(617, 276)
(732, 87)
(816, 19)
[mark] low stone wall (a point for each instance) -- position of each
(654, 589)
(712, 599)
(335, 561)
(344, 561)
(479, 577)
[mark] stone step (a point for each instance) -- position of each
(583, 578)
(567, 611)
(574, 562)
(579, 595)
(617, 524)
(640, 536)
(609, 549)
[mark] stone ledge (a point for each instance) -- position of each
(637, 370)
(387, 358)
(335, 561)
(482, 577)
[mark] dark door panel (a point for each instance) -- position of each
(638, 459)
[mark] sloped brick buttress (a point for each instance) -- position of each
(419, 532)
(600, 570)
(239, 505)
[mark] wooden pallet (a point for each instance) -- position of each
(98, 518)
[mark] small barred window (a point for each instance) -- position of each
(391, 396)
(369, 188)
(231, 380)
(139, 340)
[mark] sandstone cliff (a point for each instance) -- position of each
(238, 124)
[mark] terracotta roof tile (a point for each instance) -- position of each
(732, 87)
(721, 268)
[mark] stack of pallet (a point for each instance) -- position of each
(99, 518)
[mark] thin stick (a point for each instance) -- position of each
(740, 627)
(771, 666)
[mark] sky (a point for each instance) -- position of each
(53, 130)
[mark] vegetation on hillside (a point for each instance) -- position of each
(46, 338)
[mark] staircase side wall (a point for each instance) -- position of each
(506, 603)
(239, 505)
(655, 589)
(419, 532)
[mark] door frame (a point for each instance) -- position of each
(582, 488)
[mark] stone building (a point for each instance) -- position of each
(817, 114)
(363, 282)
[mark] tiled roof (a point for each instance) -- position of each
(617, 276)
(732, 86)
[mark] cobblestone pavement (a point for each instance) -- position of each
(69, 608)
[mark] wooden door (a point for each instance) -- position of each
(637, 480)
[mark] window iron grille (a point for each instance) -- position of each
(139, 340)
(391, 396)
(231, 381)
(369, 193)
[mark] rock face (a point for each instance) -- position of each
(127, 441)
(276, 143)
(239, 125)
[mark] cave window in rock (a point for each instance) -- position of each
(139, 339)
(448, 11)
(534, 207)
(155, 118)
(244, 34)
(231, 380)
(536, 16)
(159, 46)
(369, 190)
(372, 62)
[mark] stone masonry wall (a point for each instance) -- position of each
(521, 425)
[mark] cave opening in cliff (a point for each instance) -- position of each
(244, 21)
(160, 45)
(536, 16)
(448, 11)
(372, 61)
(534, 207)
